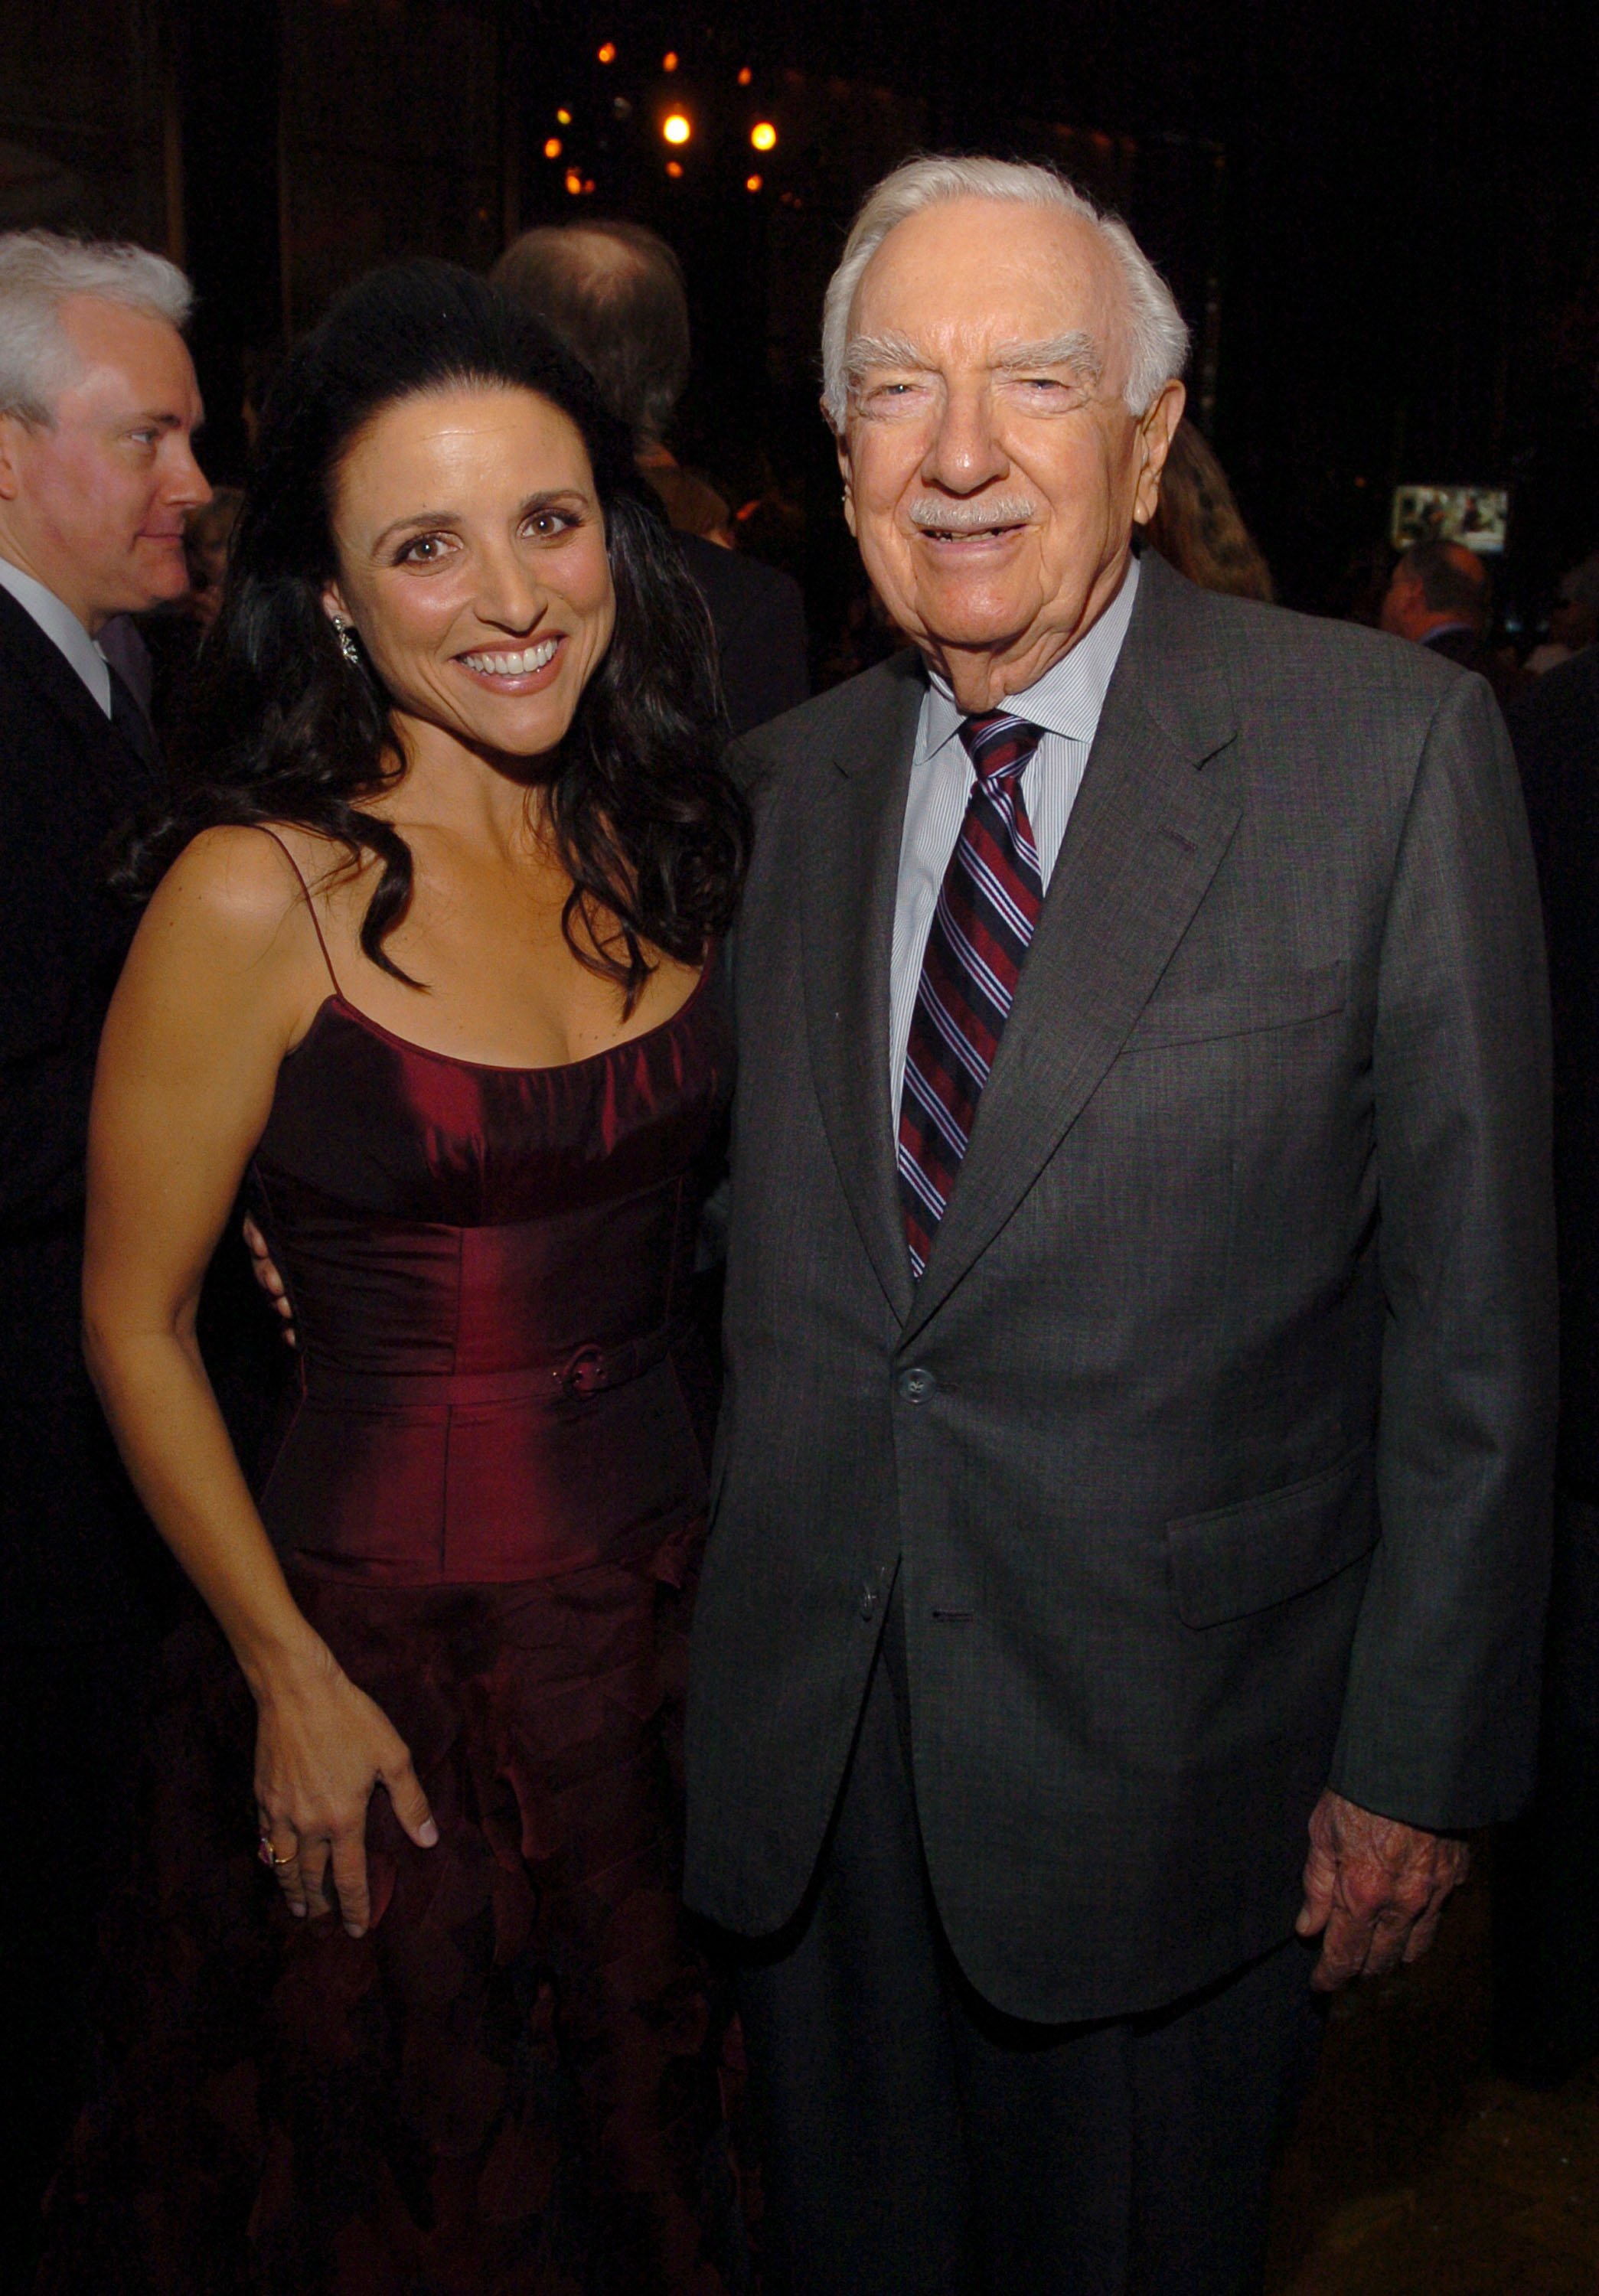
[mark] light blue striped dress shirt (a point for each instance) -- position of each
(1066, 702)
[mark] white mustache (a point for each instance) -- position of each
(973, 517)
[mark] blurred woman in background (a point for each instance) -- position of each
(1198, 526)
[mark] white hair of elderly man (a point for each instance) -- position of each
(40, 271)
(1157, 344)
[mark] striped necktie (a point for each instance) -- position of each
(989, 905)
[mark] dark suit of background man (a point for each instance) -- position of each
(1546, 1885)
(614, 294)
(97, 403)
(1196, 1493)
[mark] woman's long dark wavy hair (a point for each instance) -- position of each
(648, 826)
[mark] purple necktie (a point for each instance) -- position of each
(987, 907)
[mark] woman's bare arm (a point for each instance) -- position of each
(222, 979)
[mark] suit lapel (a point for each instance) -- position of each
(851, 870)
(1145, 836)
(115, 766)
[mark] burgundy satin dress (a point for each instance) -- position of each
(490, 1499)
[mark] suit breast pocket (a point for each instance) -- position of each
(1234, 1561)
(1244, 1009)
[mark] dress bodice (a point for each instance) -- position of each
(489, 1270)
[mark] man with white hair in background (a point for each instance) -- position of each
(1128, 1543)
(98, 405)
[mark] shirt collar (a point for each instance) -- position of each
(62, 627)
(1067, 700)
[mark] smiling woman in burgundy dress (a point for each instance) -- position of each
(431, 969)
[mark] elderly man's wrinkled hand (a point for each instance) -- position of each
(1374, 1890)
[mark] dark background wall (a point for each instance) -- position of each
(1383, 219)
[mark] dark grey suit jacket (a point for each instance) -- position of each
(1226, 1469)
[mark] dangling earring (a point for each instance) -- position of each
(346, 643)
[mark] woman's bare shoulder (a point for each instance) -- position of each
(237, 887)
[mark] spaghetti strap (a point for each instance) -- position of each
(310, 904)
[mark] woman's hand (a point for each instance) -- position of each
(321, 1745)
(264, 1268)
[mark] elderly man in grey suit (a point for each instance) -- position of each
(1137, 1443)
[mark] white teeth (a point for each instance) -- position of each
(522, 664)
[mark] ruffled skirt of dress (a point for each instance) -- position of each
(512, 2086)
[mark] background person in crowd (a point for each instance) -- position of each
(207, 537)
(1546, 1880)
(619, 288)
(98, 406)
(614, 294)
(174, 631)
(1573, 619)
(1140, 1317)
(1439, 596)
(434, 958)
(1198, 526)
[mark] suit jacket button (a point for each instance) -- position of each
(916, 1384)
(868, 1601)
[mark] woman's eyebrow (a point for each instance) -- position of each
(416, 518)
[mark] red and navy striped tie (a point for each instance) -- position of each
(992, 893)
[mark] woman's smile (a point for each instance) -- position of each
(515, 669)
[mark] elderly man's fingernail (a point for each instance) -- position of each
(427, 1834)
(355, 1929)
(298, 1911)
